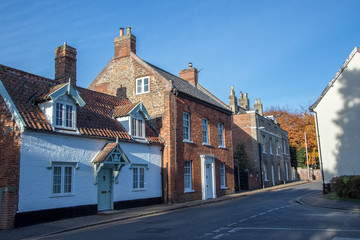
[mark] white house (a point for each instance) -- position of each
(337, 114)
(67, 150)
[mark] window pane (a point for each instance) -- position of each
(135, 177)
(56, 180)
(222, 174)
(187, 175)
(205, 130)
(186, 126)
(69, 116)
(139, 86)
(146, 84)
(134, 127)
(142, 178)
(140, 128)
(59, 114)
(220, 133)
(67, 179)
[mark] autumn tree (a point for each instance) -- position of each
(296, 123)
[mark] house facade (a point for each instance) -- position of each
(337, 111)
(68, 151)
(265, 143)
(194, 124)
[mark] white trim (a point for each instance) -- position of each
(142, 85)
(12, 108)
(270, 133)
(189, 127)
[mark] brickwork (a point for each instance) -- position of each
(65, 64)
(119, 78)
(302, 174)
(10, 140)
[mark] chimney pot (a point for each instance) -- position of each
(121, 32)
(190, 65)
(128, 30)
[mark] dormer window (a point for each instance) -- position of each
(138, 128)
(64, 115)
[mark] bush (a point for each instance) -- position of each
(346, 186)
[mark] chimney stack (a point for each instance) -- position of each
(244, 101)
(258, 107)
(124, 44)
(65, 64)
(233, 101)
(190, 74)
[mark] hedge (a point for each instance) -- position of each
(346, 186)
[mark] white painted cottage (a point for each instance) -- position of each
(68, 151)
(337, 114)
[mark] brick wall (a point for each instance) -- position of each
(10, 140)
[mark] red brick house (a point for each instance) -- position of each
(195, 125)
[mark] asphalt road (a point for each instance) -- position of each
(266, 215)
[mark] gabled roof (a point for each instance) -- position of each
(107, 150)
(337, 75)
(189, 90)
(131, 109)
(93, 119)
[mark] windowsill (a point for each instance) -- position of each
(224, 188)
(142, 93)
(189, 191)
(222, 147)
(206, 144)
(139, 190)
(187, 141)
(271, 154)
(62, 195)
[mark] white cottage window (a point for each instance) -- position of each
(142, 85)
(62, 179)
(138, 178)
(187, 176)
(138, 128)
(64, 115)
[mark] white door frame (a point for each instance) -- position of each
(208, 160)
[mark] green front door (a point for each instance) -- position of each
(105, 189)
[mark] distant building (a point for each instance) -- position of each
(266, 145)
(337, 114)
(194, 124)
(68, 151)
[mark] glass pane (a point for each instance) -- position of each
(135, 177)
(139, 85)
(142, 178)
(140, 127)
(69, 116)
(67, 179)
(56, 180)
(134, 127)
(59, 114)
(146, 84)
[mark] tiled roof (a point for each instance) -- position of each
(121, 111)
(104, 153)
(94, 119)
(190, 90)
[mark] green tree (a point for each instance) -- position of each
(241, 155)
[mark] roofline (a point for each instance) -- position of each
(182, 94)
(12, 107)
(337, 75)
(213, 96)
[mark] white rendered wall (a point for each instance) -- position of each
(338, 115)
(37, 149)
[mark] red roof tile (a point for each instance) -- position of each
(93, 119)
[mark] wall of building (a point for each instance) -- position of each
(38, 149)
(337, 119)
(10, 141)
(192, 151)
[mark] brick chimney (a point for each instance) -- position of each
(233, 101)
(124, 44)
(65, 64)
(244, 101)
(258, 107)
(190, 74)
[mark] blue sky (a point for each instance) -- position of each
(284, 52)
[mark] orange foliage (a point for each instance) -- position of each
(296, 124)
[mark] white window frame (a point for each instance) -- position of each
(137, 130)
(277, 148)
(205, 131)
(141, 87)
(64, 114)
(186, 126)
(270, 146)
(138, 182)
(263, 143)
(265, 173)
(222, 175)
(188, 176)
(279, 172)
(62, 167)
(221, 135)
(284, 146)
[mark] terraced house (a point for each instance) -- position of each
(194, 124)
(67, 150)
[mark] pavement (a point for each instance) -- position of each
(313, 199)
